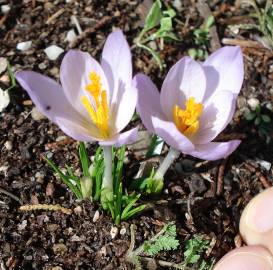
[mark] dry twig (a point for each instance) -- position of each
(259, 174)
(55, 15)
(10, 195)
(47, 207)
(89, 30)
(242, 43)
(220, 178)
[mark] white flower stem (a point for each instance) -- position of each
(167, 162)
(107, 182)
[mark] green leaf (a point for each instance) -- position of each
(170, 12)
(265, 118)
(209, 22)
(129, 205)
(192, 53)
(84, 160)
(257, 120)
(134, 211)
(250, 116)
(155, 55)
(194, 248)
(65, 179)
(166, 24)
(155, 146)
(154, 16)
(12, 77)
(165, 240)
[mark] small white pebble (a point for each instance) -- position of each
(4, 99)
(96, 216)
(76, 238)
(177, 4)
(78, 209)
(3, 64)
(22, 225)
(61, 138)
(103, 251)
(53, 52)
(75, 22)
(70, 36)
(42, 66)
(122, 231)
(23, 46)
(8, 145)
(39, 176)
(36, 115)
(114, 232)
(269, 106)
(253, 103)
(5, 9)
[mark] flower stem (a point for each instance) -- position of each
(107, 182)
(167, 162)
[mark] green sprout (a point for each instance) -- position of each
(11, 77)
(166, 240)
(123, 205)
(201, 39)
(261, 120)
(194, 249)
(88, 186)
(158, 26)
(264, 18)
(120, 204)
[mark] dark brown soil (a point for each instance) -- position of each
(201, 197)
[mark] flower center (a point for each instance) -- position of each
(99, 111)
(187, 121)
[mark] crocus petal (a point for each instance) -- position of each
(126, 137)
(171, 135)
(148, 101)
(123, 111)
(214, 150)
(218, 112)
(77, 131)
(184, 80)
(117, 64)
(224, 70)
(74, 74)
(47, 95)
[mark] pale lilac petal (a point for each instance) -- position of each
(126, 137)
(123, 111)
(184, 80)
(214, 150)
(171, 135)
(78, 131)
(117, 64)
(74, 74)
(47, 95)
(217, 113)
(148, 101)
(224, 70)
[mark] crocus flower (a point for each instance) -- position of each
(196, 102)
(94, 102)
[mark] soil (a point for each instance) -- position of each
(201, 197)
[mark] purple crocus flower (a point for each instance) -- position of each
(197, 101)
(94, 102)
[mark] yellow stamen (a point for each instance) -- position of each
(187, 121)
(99, 113)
